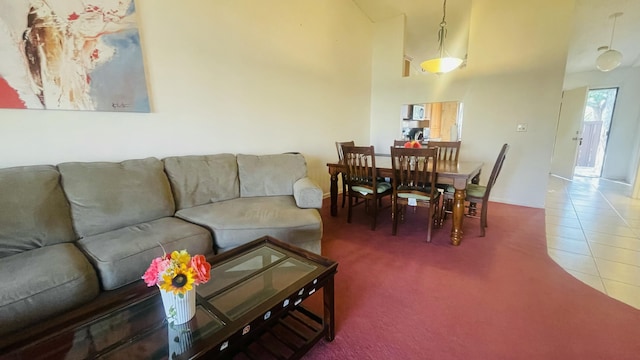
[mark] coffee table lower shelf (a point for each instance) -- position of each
(290, 338)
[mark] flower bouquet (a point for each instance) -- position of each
(177, 274)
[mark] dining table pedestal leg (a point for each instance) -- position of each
(458, 214)
(333, 190)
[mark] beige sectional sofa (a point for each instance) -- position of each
(73, 231)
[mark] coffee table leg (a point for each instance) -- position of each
(329, 311)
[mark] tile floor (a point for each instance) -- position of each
(593, 232)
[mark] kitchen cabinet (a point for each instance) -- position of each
(417, 112)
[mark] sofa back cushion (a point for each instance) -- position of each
(105, 195)
(202, 179)
(269, 175)
(33, 210)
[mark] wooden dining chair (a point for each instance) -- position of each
(479, 194)
(447, 150)
(339, 146)
(399, 143)
(414, 180)
(362, 182)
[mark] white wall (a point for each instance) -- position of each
(239, 76)
(297, 75)
(508, 80)
(621, 159)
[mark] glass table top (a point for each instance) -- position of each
(245, 296)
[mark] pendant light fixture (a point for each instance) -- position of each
(611, 58)
(444, 63)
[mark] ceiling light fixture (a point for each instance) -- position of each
(611, 58)
(444, 63)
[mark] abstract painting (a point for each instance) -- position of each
(71, 55)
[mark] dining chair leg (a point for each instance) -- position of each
(349, 210)
(473, 207)
(483, 219)
(375, 214)
(394, 217)
(447, 208)
(344, 192)
(438, 220)
(429, 224)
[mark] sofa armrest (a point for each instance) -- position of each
(307, 193)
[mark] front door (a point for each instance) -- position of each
(569, 132)
(598, 115)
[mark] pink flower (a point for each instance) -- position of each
(201, 268)
(157, 267)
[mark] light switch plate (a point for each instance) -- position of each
(521, 127)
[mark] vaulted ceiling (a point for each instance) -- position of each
(591, 28)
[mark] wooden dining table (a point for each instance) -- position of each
(458, 174)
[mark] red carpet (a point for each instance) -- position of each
(497, 297)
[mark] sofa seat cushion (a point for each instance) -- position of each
(122, 256)
(42, 283)
(238, 221)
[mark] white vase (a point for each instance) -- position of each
(179, 309)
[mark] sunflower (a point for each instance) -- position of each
(180, 281)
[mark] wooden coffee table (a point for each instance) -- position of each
(251, 308)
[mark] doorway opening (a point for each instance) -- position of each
(598, 114)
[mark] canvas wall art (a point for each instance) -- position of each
(71, 55)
